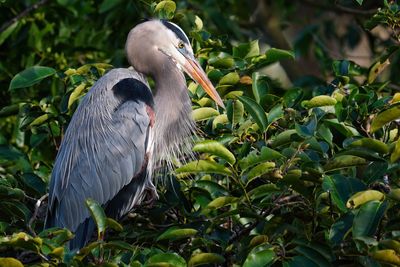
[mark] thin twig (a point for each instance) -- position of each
(22, 14)
(33, 218)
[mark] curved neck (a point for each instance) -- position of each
(173, 124)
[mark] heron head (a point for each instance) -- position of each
(165, 41)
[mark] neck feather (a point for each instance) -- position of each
(174, 125)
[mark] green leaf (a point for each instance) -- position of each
(395, 156)
(198, 23)
(263, 190)
(220, 119)
(275, 113)
(313, 255)
(308, 129)
(340, 228)
(273, 55)
(259, 86)
(215, 148)
(385, 117)
(22, 240)
(221, 60)
(165, 259)
(254, 158)
(98, 216)
(9, 110)
(34, 182)
(166, 9)
(259, 170)
(7, 32)
(10, 262)
(344, 161)
(256, 111)
(362, 197)
(341, 188)
(360, 2)
(76, 93)
(237, 112)
(113, 224)
(319, 101)
(204, 258)
(261, 255)
(176, 234)
(246, 50)
(220, 202)
(203, 166)
(231, 78)
(202, 114)
(285, 137)
(30, 76)
(368, 217)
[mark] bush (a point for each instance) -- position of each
(302, 174)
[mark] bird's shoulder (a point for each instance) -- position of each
(123, 85)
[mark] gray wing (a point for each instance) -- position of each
(103, 150)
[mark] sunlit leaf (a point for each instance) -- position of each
(206, 113)
(203, 166)
(176, 234)
(385, 117)
(205, 258)
(364, 196)
(215, 148)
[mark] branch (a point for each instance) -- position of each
(37, 206)
(339, 8)
(22, 14)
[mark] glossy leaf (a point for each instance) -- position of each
(344, 161)
(205, 258)
(221, 202)
(231, 78)
(368, 217)
(203, 166)
(319, 101)
(30, 76)
(253, 158)
(259, 86)
(341, 188)
(166, 259)
(176, 234)
(206, 113)
(364, 196)
(385, 117)
(261, 255)
(372, 144)
(215, 148)
(10, 262)
(256, 111)
(98, 216)
(274, 55)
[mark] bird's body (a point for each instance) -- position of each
(120, 130)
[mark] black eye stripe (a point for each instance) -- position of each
(178, 31)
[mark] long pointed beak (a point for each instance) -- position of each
(192, 67)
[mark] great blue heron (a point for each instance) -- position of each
(120, 129)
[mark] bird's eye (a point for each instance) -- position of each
(181, 45)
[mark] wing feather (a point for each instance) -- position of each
(103, 148)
